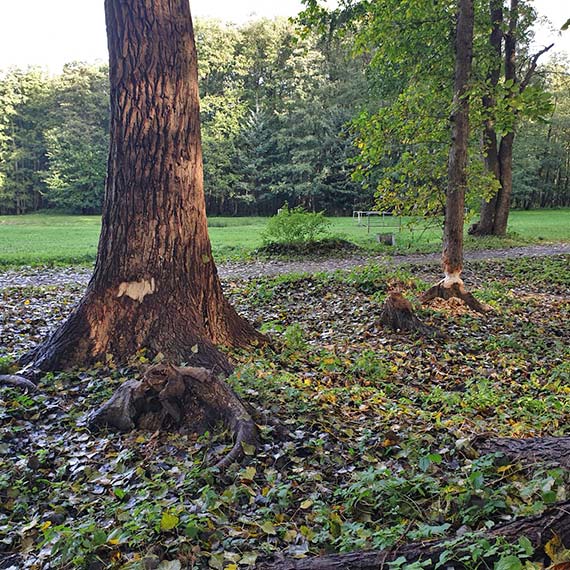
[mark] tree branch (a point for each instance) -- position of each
(532, 67)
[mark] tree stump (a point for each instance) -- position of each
(187, 399)
(386, 239)
(398, 315)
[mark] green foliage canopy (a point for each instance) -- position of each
(403, 138)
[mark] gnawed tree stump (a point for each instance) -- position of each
(454, 290)
(186, 399)
(530, 450)
(539, 530)
(398, 314)
(17, 382)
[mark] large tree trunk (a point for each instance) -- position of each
(155, 284)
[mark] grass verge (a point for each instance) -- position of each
(49, 239)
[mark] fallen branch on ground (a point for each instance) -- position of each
(532, 449)
(539, 530)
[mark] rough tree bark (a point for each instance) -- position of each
(452, 260)
(155, 284)
(490, 144)
(529, 450)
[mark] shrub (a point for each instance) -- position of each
(295, 226)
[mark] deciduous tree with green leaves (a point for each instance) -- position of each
(403, 142)
(452, 285)
(509, 96)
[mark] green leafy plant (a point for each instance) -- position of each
(295, 226)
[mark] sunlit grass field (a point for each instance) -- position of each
(51, 239)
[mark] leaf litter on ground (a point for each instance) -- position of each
(368, 444)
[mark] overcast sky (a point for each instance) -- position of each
(53, 32)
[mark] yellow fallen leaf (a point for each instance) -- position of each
(556, 551)
(168, 521)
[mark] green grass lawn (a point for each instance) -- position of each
(38, 239)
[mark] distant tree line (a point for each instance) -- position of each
(541, 161)
(53, 139)
(280, 117)
(275, 111)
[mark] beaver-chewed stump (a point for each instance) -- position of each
(397, 314)
(454, 291)
(187, 399)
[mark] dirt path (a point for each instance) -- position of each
(31, 277)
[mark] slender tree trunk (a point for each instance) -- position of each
(490, 147)
(506, 148)
(155, 284)
(452, 259)
(504, 196)
(457, 164)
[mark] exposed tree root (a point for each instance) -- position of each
(533, 449)
(539, 529)
(184, 398)
(18, 382)
(397, 314)
(455, 290)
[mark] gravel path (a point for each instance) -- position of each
(37, 277)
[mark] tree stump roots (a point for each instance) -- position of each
(455, 291)
(182, 398)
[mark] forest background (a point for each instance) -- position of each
(280, 124)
